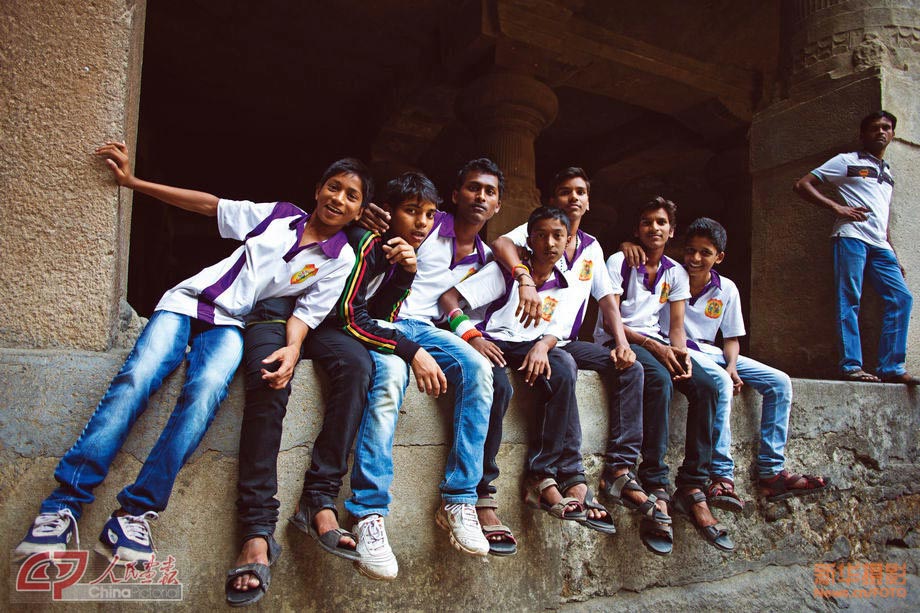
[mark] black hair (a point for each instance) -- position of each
(484, 166)
(659, 202)
(352, 166)
(880, 114)
(569, 173)
(548, 212)
(411, 185)
(711, 229)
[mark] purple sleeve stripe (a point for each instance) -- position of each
(497, 304)
(281, 210)
(578, 321)
(210, 293)
(205, 312)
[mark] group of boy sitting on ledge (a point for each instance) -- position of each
(369, 293)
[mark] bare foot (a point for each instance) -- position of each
(551, 495)
(488, 517)
(254, 551)
(579, 491)
(635, 496)
(325, 521)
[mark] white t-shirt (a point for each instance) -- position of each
(437, 272)
(640, 304)
(268, 264)
(863, 181)
(718, 307)
(585, 273)
(493, 288)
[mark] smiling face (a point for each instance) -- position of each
(477, 200)
(547, 241)
(338, 200)
(412, 219)
(654, 229)
(572, 197)
(700, 255)
(877, 135)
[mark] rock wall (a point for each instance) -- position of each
(865, 437)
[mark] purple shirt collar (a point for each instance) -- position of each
(584, 239)
(331, 247)
(714, 281)
(557, 279)
(445, 223)
(663, 265)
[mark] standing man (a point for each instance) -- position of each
(861, 246)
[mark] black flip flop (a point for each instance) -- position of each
(329, 541)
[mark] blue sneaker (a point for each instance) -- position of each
(49, 532)
(127, 537)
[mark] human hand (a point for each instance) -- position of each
(633, 252)
(489, 350)
(737, 383)
(287, 358)
(852, 213)
(398, 251)
(374, 218)
(536, 363)
(622, 357)
(529, 303)
(428, 374)
(116, 158)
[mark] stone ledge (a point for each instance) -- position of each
(864, 437)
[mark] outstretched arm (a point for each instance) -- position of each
(506, 253)
(621, 354)
(116, 157)
(730, 350)
(288, 356)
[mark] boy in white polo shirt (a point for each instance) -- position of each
(284, 252)
(451, 252)
(581, 263)
(657, 284)
(862, 248)
(715, 306)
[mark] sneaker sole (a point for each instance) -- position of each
(453, 539)
(372, 575)
(107, 553)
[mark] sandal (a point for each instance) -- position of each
(330, 541)
(860, 376)
(721, 495)
(785, 485)
(533, 497)
(655, 528)
(506, 545)
(717, 534)
(604, 525)
(240, 598)
(904, 378)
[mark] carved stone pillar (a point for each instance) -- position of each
(506, 112)
(847, 59)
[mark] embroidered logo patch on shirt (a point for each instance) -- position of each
(665, 292)
(303, 274)
(586, 269)
(549, 307)
(713, 308)
(468, 274)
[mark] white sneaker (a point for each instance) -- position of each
(377, 559)
(49, 532)
(463, 524)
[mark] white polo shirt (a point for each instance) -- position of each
(640, 303)
(437, 272)
(493, 288)
(270, 263)
(863, 180)
(585, 274)
(718, 307)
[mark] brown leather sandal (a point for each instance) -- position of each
(786, 485)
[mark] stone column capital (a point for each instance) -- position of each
(508, 101)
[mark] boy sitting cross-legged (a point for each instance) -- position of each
(284, 252)
(657, 284)
(715, 306)
(378, 283)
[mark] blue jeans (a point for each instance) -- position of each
(215, 354)
(470, 375)
(852, 259)
(776, 388)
